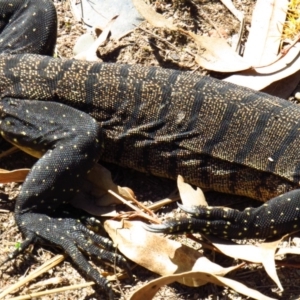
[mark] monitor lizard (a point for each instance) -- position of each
(217, 135)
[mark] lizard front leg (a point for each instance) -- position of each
(69, 144)
(273, 219)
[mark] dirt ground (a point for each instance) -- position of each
(142, 46)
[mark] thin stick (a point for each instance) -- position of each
(49, 292)
(9, 151)
(40, 270)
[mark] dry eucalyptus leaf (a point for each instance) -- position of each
(215, 54)
(264, 39)
(84, 201)
(17, 175)
(152, 17)
(252, 79)
(83, 43)
(159, 254)
(263, 253)
(150, 289)
(189, 196)
(95, 198)
(89, 50)
(96, 13)
(102, 180)
(281, 62)
(238, 14)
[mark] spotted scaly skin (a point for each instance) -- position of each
(272, 220)
(67, 141)
(217, 135)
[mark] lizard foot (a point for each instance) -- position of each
(274, 219)
(72, 236)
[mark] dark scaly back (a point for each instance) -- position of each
(216, 134)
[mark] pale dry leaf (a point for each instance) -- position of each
(149, 290)
(95, 197)
(152, 17)
(215, 54)
(82, 44)
(252, 79)
(288, 250)
(89, 53)
(97, 13)
(263, 253)
(264, 39)
(189, 196)
(102, 180)
(281, 63)
(238, 14)
(159, 254)
(268, 254)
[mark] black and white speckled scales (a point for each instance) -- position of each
(217, 135)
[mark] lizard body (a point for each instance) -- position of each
(217, 135)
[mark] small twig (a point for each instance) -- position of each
(165, 41)
(140, 205)
(207, 19)
(159, 204)
(150, 217)
(116, 275)
(9, 151)
(40, 270)
(53, 291)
